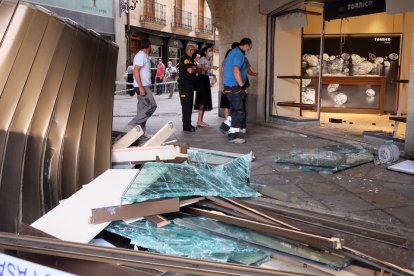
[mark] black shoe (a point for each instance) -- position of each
(190, 129)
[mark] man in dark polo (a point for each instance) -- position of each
(186, 79)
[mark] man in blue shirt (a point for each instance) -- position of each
(235, 76)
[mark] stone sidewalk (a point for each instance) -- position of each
(368, 192)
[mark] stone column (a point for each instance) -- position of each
(120, 39)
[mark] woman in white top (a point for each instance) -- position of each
(203, 100)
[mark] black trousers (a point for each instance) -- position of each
(187, 102)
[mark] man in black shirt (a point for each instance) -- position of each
(186, 79)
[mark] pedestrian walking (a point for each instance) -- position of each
(235, 76)
(170, 75)
(186, 80)
(146, 104)
(159, 77)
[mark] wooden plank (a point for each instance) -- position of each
(158, 220)
(241, 210)
(261, 212)
(302, 237)
(161, 136)
(69, 220)
(129, 138)
(298, 262)
(135, 210)
(145, 154)
(191, 200)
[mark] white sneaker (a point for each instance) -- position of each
(242, 130)
(237, 141)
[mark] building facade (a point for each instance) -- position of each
(169, 24)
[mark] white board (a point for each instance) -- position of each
(405, 167)
(69, 220)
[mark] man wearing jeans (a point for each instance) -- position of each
(146, 105)
(159, 76)
(235, 76)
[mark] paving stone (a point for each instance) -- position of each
(405, 214)
(311, 203)
(259, 168)
(299, 176)
(378, 216)
(345, 203)
(359, 171)
(322, 189)
(381, 173)
(385, 199)
(358, 185)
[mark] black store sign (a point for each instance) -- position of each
(346, 8)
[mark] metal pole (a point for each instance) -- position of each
(320, 69)
(128, 34)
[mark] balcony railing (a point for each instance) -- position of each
(182, 19)
(153, 12)
(204, 25)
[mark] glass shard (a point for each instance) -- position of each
(252, 237)
(161, 180)
(207, 160)
(328, 159)
(181, 241)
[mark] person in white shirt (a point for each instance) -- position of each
(170, 75)
(146, 104)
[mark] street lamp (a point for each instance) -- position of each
(125, 7)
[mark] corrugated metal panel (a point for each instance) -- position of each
(56, 88)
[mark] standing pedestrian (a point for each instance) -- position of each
(186, 79)
(170, 75)
(146, 104)
(224, 102)
(159, 76)
(203, 100)
(235, 76)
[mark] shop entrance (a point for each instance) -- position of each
(347, 73)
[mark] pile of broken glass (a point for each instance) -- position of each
(204, 174)
(328, 159)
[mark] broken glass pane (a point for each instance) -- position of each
(207, 159)
(181, 241)
(233, 232)
(328, 159)
(161, 180)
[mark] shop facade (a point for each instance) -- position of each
(330, 60)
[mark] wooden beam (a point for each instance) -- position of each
(241, 210)
(145, 154)
(261, 212)
(130, 211)
(163, 134)
(158, 220)
(191, 200)
(129, 138)
(295, 235)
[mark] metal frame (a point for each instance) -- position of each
(126, 257)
